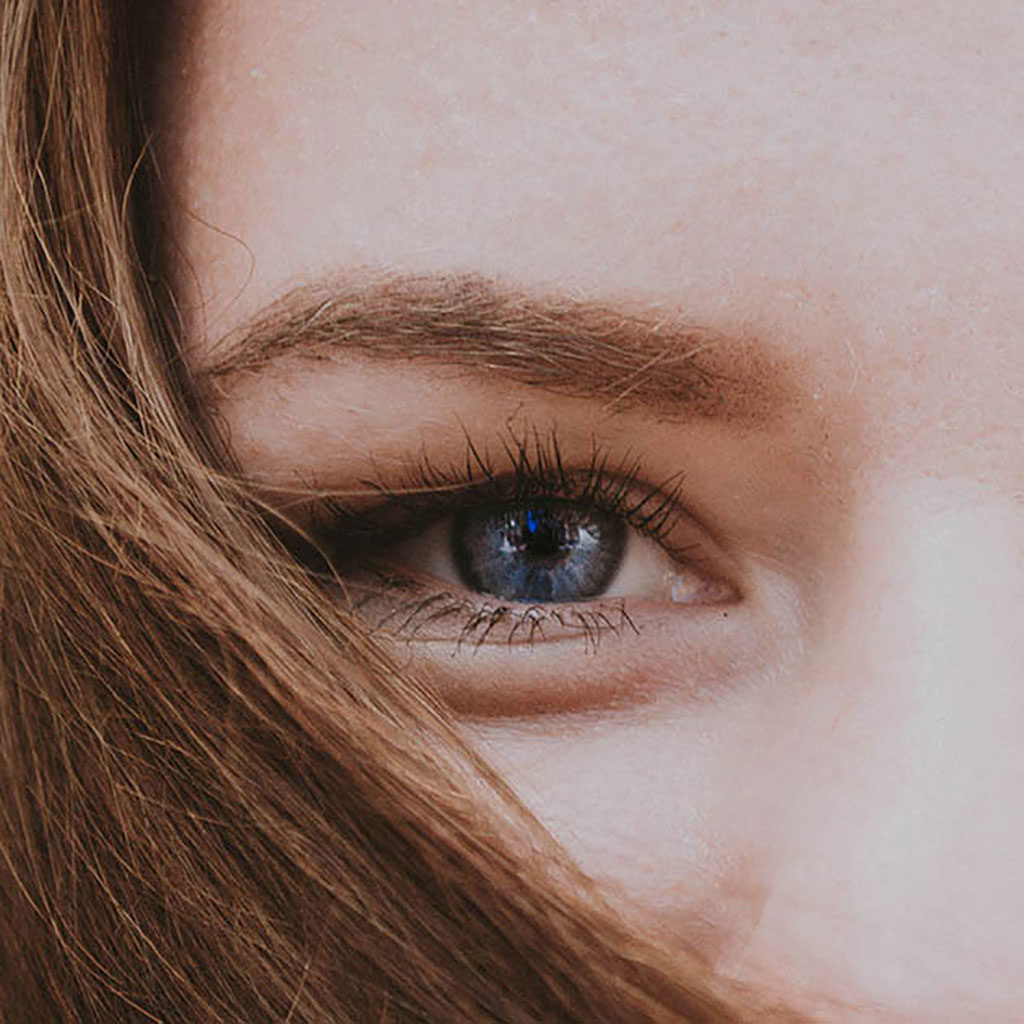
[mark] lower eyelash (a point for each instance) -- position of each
(474, 623)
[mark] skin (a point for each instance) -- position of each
(822, 789)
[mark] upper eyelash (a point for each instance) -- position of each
(533, 469)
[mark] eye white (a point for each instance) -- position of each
(646, 573)
(649, 573)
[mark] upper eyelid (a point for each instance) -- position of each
(412, 507)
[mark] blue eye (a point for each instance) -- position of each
(546, 551)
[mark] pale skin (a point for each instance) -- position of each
(823, 787)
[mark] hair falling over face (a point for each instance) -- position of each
(221, 802)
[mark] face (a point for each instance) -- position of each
(663, 362)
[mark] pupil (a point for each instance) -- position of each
(543, 537)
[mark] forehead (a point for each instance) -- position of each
(844, 177)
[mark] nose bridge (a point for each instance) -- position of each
(929, 627)
(936, 598)
(908, 847)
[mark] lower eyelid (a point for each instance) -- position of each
(418, 610)
(491, 659)
(649, 659)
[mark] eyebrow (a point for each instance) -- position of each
(563, 345)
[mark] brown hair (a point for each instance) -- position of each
(221, 802)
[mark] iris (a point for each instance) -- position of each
(545, 551)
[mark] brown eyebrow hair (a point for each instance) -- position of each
(582, 349)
